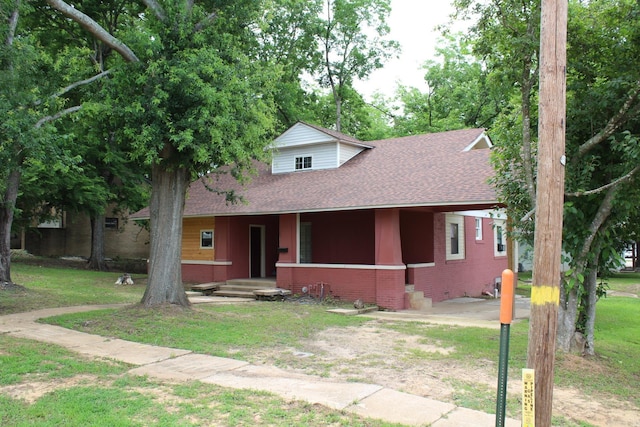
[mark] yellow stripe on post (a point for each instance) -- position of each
(541, 295)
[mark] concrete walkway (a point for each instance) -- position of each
(368, 400)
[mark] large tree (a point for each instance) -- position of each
(602, 128)
(460, 92)
(353, 44)
(189, 97)
(32, 98)
(53, 70)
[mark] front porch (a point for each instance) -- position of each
(368, 254)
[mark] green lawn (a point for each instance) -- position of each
(50, 287)
(100, 392)
(240, 330)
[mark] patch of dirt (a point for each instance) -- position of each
(30, 391)
(378, 355)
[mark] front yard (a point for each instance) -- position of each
(448, 363)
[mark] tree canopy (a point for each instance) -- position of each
(602, 117)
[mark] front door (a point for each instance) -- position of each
(256, 251)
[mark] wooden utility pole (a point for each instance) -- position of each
(545, 292)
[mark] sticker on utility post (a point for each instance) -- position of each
(528, 398)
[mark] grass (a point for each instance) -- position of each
(26, 359)
(219, 330)
(50, 287)
(101, 393)
(138, 401)
(240, 331)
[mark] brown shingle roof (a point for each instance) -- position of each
(422, 170)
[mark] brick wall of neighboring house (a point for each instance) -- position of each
(128, 240)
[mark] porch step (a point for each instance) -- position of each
(194, 293)
(243, 288)
(206, 288)
(258, 283)
(234, 293)
(272, 294)
(415, 300)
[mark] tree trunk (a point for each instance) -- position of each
(96, 260)
(167, 205)
(338, 100)
(591, 285)
(6, 221)
(527, 153)
(567, 316)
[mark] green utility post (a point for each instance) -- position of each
(506, 316)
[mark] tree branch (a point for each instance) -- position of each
(200, 25)
(156, 9)
(56, 116)
(620, 180)
(94, 28)
(614, 123)
(528, 215)
(601, 216)
(76, 84)
(13, 24)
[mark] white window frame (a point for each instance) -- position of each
(457, 220)
(478, 228)
(202, 238)
(303, 163)
(499, 237)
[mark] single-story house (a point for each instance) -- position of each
(375, 220)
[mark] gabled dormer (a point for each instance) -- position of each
(481, 142)
(305, 147)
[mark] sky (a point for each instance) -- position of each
(412, 23)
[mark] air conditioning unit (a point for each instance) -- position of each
(501, 247)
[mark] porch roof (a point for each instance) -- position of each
(435, 170)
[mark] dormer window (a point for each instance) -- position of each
(303, 162)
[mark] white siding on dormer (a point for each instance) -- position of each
(301, 134)
(348, 151)
(323, 157)
(481, 142)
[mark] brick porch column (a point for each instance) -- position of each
(389, 283)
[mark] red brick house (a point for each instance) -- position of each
(367, 219)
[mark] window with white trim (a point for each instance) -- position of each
(206, 239)
(303, 162)
(478, 228)
(499, 238)
(454, 237)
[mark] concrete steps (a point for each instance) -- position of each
(415, 300)
(243, 288)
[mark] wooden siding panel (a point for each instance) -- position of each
(191, 249)
(324, 156)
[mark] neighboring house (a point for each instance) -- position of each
(365, 219)
(70, 235)
(524, 255)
